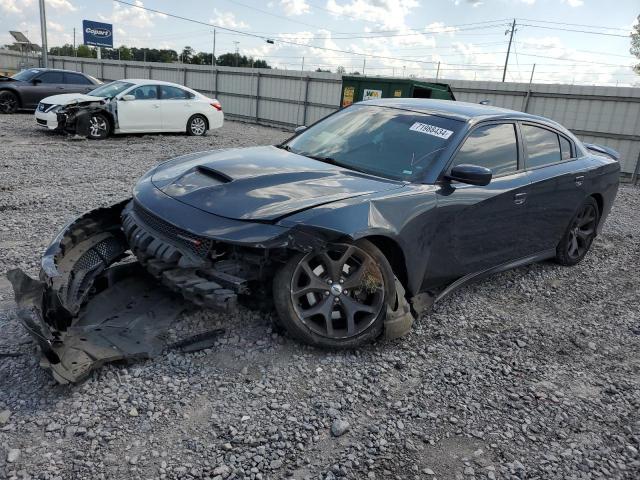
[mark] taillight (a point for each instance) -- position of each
(216, 104)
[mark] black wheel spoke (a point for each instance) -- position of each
(355, 278)
(315, 283)
(584, 234)
(350, 307)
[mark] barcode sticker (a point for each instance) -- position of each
(431, 130)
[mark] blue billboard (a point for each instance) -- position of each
(97, 34)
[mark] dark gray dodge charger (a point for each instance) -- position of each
(354, 224)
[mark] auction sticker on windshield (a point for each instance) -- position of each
(431, 130)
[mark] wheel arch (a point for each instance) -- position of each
(600, 201)
(394, 254)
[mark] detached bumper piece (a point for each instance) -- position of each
(87, 309)
(181, 260)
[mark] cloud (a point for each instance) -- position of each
(136, 17)
(575, 3)
(14, 6)
(294, 7)
(64, 5)
(439, 27)
(227, 19)
(53, 26)
(389, 13)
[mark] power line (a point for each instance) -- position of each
(573, 24)
(573, 30)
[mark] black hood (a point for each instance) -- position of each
(260, 183)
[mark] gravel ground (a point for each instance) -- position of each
(530, 374)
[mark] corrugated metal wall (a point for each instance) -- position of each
(604, 115)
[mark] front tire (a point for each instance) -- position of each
(580, 234)
(197, 126)
(9, 102)
(98, 127)
(335, 297)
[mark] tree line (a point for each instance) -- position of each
(187, 55)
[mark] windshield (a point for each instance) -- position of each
(110, 90)
(383, 141)
(26, 75)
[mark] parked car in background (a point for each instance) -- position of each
(131, 106)
(26, 88)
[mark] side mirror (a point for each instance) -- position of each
(36, 81)
(128, 98)
(301, 128)
(471, 174)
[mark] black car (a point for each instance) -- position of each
(380, 207)
(26, 88)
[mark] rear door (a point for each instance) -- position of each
(177, 106)
(557, 183)
(46, 84)
(77, 83)
(142, 114)
(482, 226)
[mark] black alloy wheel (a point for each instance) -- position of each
(335, 297)
(8, 102)
(580, 234)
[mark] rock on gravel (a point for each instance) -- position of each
(339, 427)
(509, 358)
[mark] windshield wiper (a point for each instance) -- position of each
(283, 147)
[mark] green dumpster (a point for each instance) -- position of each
(358, 88)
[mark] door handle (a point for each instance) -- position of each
(579, 180)
(519, 198)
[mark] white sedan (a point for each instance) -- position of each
(131, 106)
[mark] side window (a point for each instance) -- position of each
(543, 146)
(168, 92)
(491, 146)
(51, 77)
(565, 148)
(76, 79)
(145, 92)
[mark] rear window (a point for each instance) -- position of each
(543, 146)
(76, 79)
(167, 92)
(565, 148)
(492, 146)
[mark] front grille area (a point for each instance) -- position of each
(198, 246)
(41, 122)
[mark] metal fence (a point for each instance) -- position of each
(604, 115)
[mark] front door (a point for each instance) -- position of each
(143, 114)
(480, 227)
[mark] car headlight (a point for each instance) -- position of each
(54, 109)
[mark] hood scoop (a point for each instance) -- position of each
(215, 174)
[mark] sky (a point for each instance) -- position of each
(570, 41)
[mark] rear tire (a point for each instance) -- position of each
(98, 127)
(346, 313)
(9, 102)
(580, 233)
(197, 126)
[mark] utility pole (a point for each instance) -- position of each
(506, 61)
(237, 52)
(438, 72)
(364, 64)
(302, 68)
(43, 32)
(213, 52)
(75, 53)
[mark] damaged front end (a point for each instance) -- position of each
(109, 282)
(75, 118)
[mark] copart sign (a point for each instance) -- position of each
(97, 34)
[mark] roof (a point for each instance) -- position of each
(146, 81)
(457, 110)
(395, 80)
